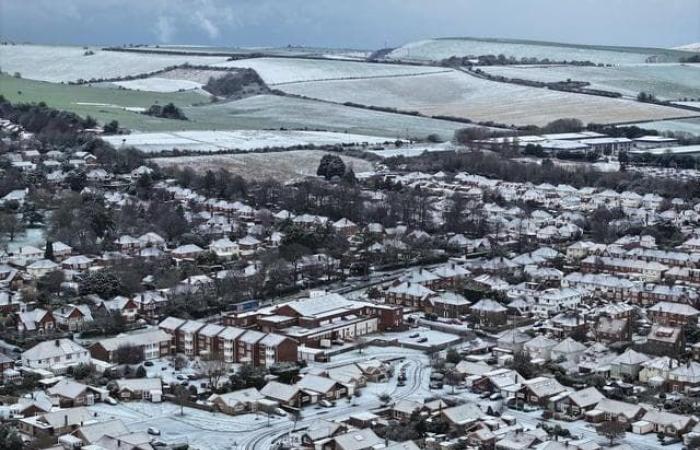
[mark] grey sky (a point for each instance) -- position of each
(348, 23)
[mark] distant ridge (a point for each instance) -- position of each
(694, 47)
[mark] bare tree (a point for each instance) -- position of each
(182, 395)
(10, 225)
(129, 354)
(213, 367)
(612, 430)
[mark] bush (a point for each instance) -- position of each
(169, 111)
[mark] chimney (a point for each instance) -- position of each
(65, 421)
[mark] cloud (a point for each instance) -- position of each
(165, 29)
(357, 23)
(206, 24)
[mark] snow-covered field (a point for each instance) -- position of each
(200, 429)
(275, 71)
(281, 166)
(158, 84)
(413, 150)
(437, 49)
(678, 126)
(666, 81)
(213, 141)
(461, 95)
(271, 111)
(434, 338)
(63, 63)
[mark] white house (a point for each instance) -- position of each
(56, 355)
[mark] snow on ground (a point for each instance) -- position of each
(694, 47)
(31, 236)
(275, 71)
(666, 81)
(108, 105)
(157, 84)
(434, 338)
(273, 111)
(212, 141)
(201, 429)
(693, 104)
(214, 431)
(63, 63)
(459, 94)
(437, 49)
(413, 150)
(282, 166)
(683, 125)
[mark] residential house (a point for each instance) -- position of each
(152, 343)
(73, 317)
(665, 340)
(628, 365)
(573, 405)
(38, 321)
(673, 314)
(139, 389)
(237, 402)
(608, 409)
(70, 394)
(538, 391)
(55, 355)
(685, 377)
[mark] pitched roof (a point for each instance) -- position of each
(316, 383)
(358, 440)
(586, 397)
(67, 388)
(52, 349)
(462, 414)
(569, 345)
(544, 386)
(279, 391)
(93, 432)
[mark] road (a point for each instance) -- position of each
(416, 388)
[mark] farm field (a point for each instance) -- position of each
(290, 51)
(245, 140)
(257, 112)
(277, 71)
(666, 81)
(282, 166)
(159, 84)
(461, 95)
(437, 49)
(63, 63)
(272, 111)
(102, 103)
(677, 126)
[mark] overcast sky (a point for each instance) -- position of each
(365, 24)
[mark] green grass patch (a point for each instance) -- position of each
(102, 103)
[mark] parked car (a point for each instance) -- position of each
(154, 431)
(423, 339)
(325, 403)
(414, 335)
(148, 363)
(110, 400)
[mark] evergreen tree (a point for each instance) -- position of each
(48, 251)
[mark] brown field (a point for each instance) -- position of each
(281, 166)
